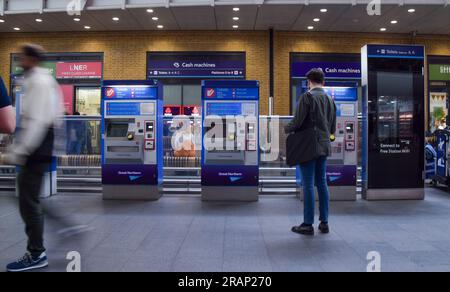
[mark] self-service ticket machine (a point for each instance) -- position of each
(343, 162)
(132, 144)
(230, 152)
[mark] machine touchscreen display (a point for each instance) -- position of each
(117, 130)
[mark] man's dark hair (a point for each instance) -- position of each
(34, 51)
(316, 75)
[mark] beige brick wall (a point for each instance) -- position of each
(287, 42)
(125, 52)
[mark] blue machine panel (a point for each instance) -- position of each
(135, 108)
(230, 90)
(123, 109)
(342, 93)
(224, 109)
(232, 93)
(238, 166)
(131, 92)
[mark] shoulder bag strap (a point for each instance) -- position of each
(311, 109)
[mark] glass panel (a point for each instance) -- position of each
(396, 128)
(88, 101)
(395, 107)
(192, 94)
(172, 94)
(182, 145)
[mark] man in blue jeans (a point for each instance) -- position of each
(316, 103)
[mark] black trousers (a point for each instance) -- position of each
(30, 180)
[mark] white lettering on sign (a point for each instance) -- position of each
(78, 67)
(198, 65)
(445, 69)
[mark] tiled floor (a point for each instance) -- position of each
(184, 234)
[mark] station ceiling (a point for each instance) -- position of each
(397, 16)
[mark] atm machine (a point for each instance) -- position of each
(132, 144)
(393, 162)
(230, 152)
(343, 162)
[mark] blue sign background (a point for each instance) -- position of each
(224, 109)
(341, 70)
(233, 93)
(132, 92)
(396, 51)
(337, 175)
(123, 109)
(342, 93)
(213, 65)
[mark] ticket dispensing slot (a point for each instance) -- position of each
(229, 148)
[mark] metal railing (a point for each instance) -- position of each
(79, 165)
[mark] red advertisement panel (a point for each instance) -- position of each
(79, 70)
(67, 91)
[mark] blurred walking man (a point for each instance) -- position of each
(32, 150)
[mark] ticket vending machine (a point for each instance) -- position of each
(393, 162)
(132, 144)
(230, 152)
(343, 162)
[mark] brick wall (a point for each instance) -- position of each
(125, 52)
(287, 42)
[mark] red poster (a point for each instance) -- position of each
(79, 70)
(67, 91)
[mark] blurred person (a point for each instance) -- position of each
(33, 150)
(76, 132)
(315, 110)
(7, 116)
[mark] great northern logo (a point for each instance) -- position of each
(110, 93)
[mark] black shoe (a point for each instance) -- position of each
(304, 229)
(324, 228)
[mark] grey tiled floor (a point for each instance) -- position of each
(184, 234)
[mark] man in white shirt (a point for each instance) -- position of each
(32, 151)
